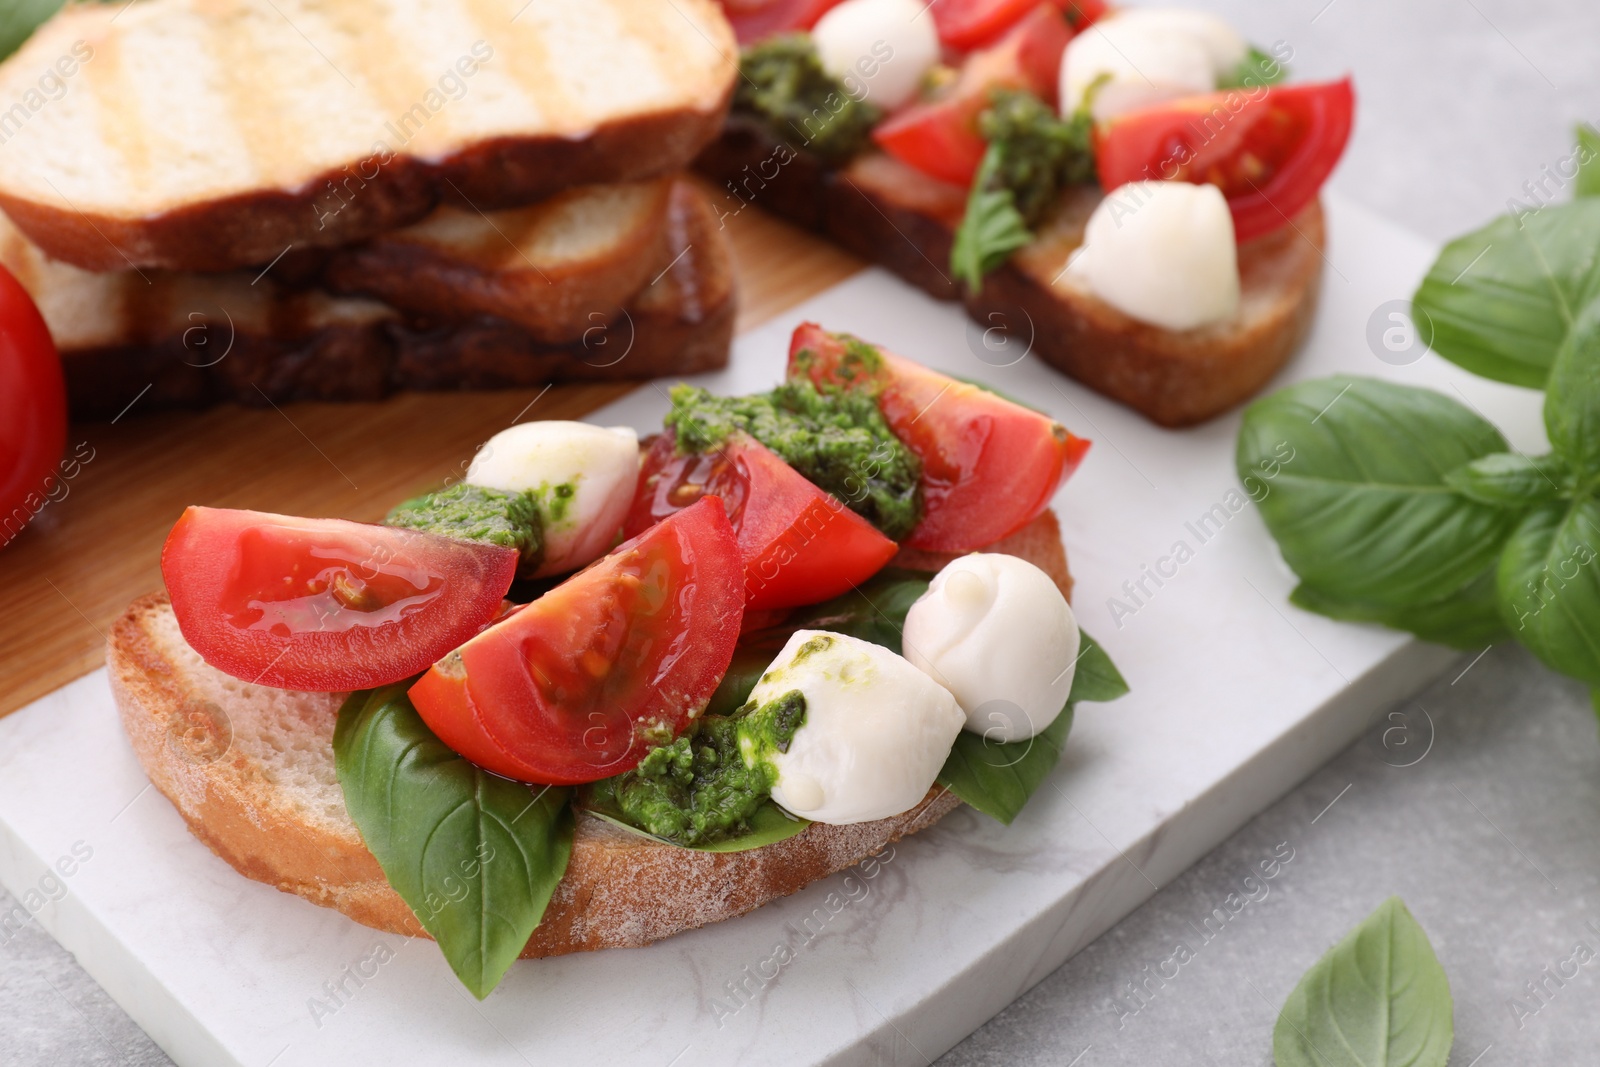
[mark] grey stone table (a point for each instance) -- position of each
(1490, 836)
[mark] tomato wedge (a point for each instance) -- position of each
(754, 19)
(989, 466)
(324, 604)
(576, 686)
(968, 24)
(800, 545)
(940, 137)
(1269, 153)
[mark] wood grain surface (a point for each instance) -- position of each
(87, 555)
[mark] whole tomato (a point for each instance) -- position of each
(33, 409)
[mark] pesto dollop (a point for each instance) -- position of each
(699, 790)
(783, 84)
(473, 513)
(838, 440)
(1039, 153)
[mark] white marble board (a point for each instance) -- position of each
(1236, 696)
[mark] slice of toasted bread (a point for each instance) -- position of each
(555, 268)
(214, 134)
(251, 771)
(198, 339)
(895, 216)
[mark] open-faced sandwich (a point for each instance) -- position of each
(602, 691)
(1131, 190)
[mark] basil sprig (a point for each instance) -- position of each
(1503, 299)
(1377, 997)
(991, 229)
(996, 778)
(1364, 513)
(475, 856)
(1403, 507)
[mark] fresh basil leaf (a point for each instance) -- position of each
(474, 855)
(1467, 619)
(1378, 997)
(1097, 679)
(991, 229)
(1502, 299)
(1509, 479)
(1256, 69)
(1360, 508)
(1572, 397)
(20, 18)
(1549, 586)
(997, 778)
(1588, 183)
(768, 825)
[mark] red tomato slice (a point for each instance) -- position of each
(940, 138)
(33, 410)
(576, 686)
(1269, 153)
(965, 24)
(799, 544)
(754, 19)
(324, 604)
(989, 466)
(969, 24)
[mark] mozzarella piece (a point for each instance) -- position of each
(996, 632)
(1161, 252)
(1147, 56)
(875, 735)
(584, 477)
(1223, 45)
(879, 49)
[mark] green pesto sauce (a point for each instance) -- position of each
(838, 440)
(473, 513)
(1040, 154)
(699, 789)
(783, 84)
(555, 501)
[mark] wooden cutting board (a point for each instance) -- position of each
(75, 568)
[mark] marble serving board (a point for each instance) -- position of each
(1236, 696)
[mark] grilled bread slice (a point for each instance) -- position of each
(555, 268)
(895, 216)
(215, 134)
(251, 771)
(180, 339)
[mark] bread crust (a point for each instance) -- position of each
(893, 215)
(420, 273)
(681, 323)
(620, 890)
(238, 230)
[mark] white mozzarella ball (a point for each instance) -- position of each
(996, 631)
(584, 477)
(875, 734)
(1161, 252)
(879, 48)
(1136, 68)
(1222, 43)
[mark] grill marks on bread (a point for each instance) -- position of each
(201, 133)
